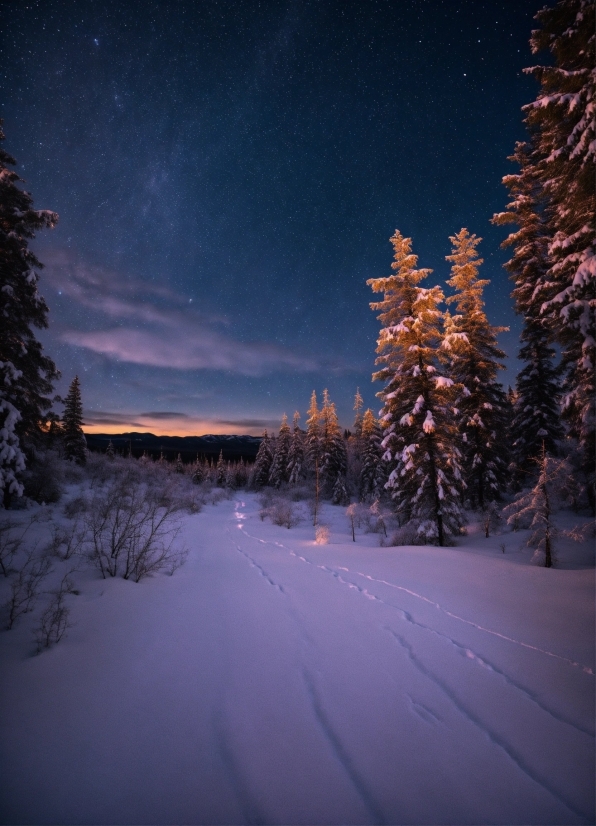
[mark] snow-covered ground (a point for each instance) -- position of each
(274, 680)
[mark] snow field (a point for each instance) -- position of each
(273, 680)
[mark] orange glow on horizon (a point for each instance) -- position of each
(179, 427)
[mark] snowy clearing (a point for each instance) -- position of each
(274, 680)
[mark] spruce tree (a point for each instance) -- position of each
(220, 471)
(26, 374)
(357, 435)
(75, 446)
(333, 454)
(296, 454)
(561, 121)
(110, 452)
(262, 465)
(536, 409)
(372, 477)
(421, 439)
(312, 438)
(475, 361)
(278, 474)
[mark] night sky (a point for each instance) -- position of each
(227, 176)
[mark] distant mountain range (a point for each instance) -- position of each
(189, 447)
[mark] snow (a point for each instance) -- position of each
(275, 680)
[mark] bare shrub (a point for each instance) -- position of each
(53, 622)
(12, 538)
(132, 530)
(75, 507)
(283, 514)
(25, 585)
(406, 535)
(321, 535)
(67, 541)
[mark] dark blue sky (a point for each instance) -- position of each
(228, 174)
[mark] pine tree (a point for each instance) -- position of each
(75, 446)
(262, 465)
(372, 477)
(179, 466)
(296, 454)
(339, 495)
(561, 121)
(278, 474)
(110, 453)
(220, 471)
(26, 374)
(333, 454)
(536, 409)
(312, 439)
(358, 405)
(474, 354)
(421, 439)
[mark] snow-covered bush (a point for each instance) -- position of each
(321, 535)
(284, 514)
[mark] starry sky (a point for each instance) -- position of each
(227, 176)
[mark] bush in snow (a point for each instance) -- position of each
(132, 530)
(321, 535)
(53, 622)
(535, 509)
(25, 585)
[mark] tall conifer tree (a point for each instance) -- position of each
(312, 445)
(372, 474)
(26, 374)
(421, 439)
(561, 121)
(278, 474)
(262, 465)
(475, 361)
(296, 454)
(536, 410)
(333, 455)
(75, 446)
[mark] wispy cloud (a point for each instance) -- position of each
(172, 423)
(143, 323)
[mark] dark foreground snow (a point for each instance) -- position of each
(272, 680)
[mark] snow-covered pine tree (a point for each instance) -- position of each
(220, 471)
(357, 430)
(296, 454)
(536, 409)
(241, 474)
(110, 452)
(75, 446)
(339, 495)
(373, 472)
(262, 465)
(312, 445)
(333, 454)
(421, 439)
(26, 374)
(278, 474)
(562, 121)
(179, 466)
(535, 508)
(474, 355)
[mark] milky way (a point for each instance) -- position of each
(227, 176)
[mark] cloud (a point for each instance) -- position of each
(171, 424)
(185, 349)
(158, 327)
